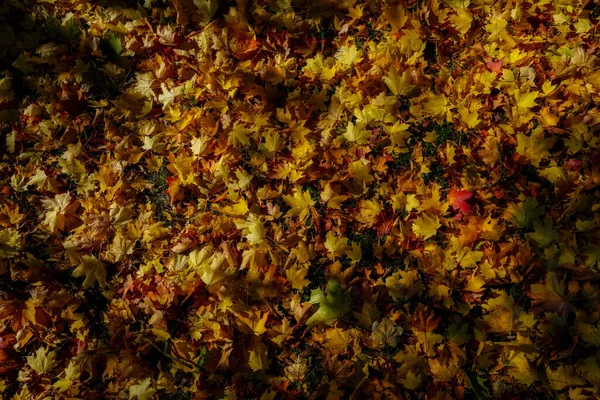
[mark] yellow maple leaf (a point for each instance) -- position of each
(252, 228)
(10, 243)
(58, 210)
(521, 369)
(258, 359)
(526, 100)
(476, 284)
(411, 381)
(254, 321)
(43, 361)
(296, 275)
(536, 147)
(71, 375)
(93, 270)
(213, 273)
(433, 106)
(462, 20)
(398, 83)
(348, 55)
(501, 313)
(336, 245)
(238, 135)
(300, 204)
(469, 118)
(399, 134)
(332, 199)
(426, 226)
(280, 333)
(296, 371)
(582, 25)
(357, 133)
(385, 333)
(142, 391)
(495, 27)
(396, 16)
(236, 209)
(369, 211)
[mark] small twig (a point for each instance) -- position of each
(170, 357)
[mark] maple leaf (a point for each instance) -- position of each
(296, 371)
(332, 306)
(462, 20)
(43, 361)
(582, 25)
(332, 199)
(426, 226)
(399, 134)
(348, 55)
(432, 106)
(70, 377)
(253, 228)
(563, 376)
(300, 204)
(458, 199)
(501, 313)
(258, 359)
(115, 43)
(357, 133)
(255, 321)
(526, 100)
(296, 275)
(549, 296)
(524, 213)
(412, 381)
(208, 264)
(369, 211)
(59, 211)
(468, 117)
(93, 270)
(544, 234)
(239, 208)
(142, 390)
(385, 333)
(10, 243)
(592, 254)
(399, 84)
(207, 8)
(238, 135)
(169, 96)
(336, 245)
(521, 369)
(396, 16)
(476, 284)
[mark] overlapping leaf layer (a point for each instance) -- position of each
(299, 199)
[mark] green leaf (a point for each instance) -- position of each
(332, 306)
(525, 213)
(115, 43)
(544, 234)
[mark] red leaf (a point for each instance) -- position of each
(494, 66)
(459, 198)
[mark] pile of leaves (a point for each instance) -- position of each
(299, 199)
